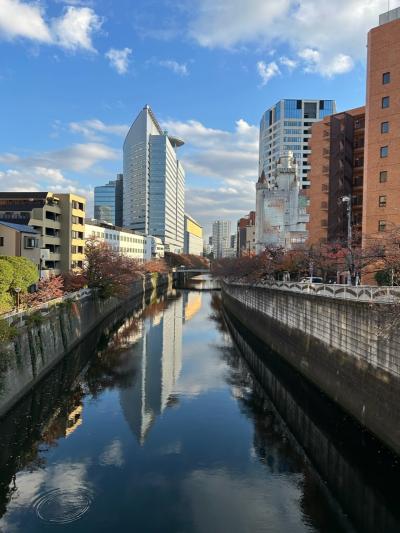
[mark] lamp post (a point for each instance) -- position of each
(17, 290)
(347, 200)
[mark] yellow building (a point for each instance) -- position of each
(193, 236)
(58, 218)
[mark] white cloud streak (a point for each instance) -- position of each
(267, 72)
(178, 68)
(119, 59)
(73, 30)
(93, 128)
(335, 30)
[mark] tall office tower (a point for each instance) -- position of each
(382, 155)
(287, 127)
(154, 182)
(221, 238)
(337, 159)
(280, 215)
(246, 239)
(108, 201)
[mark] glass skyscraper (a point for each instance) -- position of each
(154, 182)
(108, 201)
(286, 127)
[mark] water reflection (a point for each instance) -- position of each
(160, 422)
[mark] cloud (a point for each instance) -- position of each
(228, 160)
(177, 68)
(113, 454)
(72, 30)
(291, 64)
(93, 127)
(313, 62)
(335, 30)
(267, 72)
(119, 59)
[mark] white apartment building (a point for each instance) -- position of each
(221, 238)
(125, 242)
(154, 182)
(286, 127)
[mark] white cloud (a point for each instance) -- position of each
(93, 127)
(313, 62)
(18, 19)
(75, 28)
(227, 159)
(267, 72)
(177, 68)
(27, 20)
(291, 64)
(336, 30)
(113, 454)
(119, 59)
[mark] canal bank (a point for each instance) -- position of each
(333, 342)
(47, 334)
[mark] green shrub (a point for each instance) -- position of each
(7, 332)
(25, 272)
(34, 319)
(6, 276)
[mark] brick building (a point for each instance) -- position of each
(337, 161)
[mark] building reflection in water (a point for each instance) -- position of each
(157, 358)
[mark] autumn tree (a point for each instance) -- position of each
(47, 289)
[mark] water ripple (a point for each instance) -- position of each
(62, 506)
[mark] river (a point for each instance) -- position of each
(177, 421)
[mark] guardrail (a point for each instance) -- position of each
(17, 317)
(363, 293)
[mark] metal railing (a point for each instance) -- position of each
(363, 293)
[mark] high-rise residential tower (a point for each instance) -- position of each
(108, 201)
(221, 238)
(287, 127)
(154, 182)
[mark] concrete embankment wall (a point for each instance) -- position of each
(336, 344)
(45, 337)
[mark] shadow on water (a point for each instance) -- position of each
(52, 410)
(356, 469)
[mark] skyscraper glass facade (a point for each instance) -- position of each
(108, 201)
(154, 182)
(286, 127)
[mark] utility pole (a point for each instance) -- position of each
(347, 200)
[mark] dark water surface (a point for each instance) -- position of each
(175, 423)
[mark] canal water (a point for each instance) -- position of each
(177, 421)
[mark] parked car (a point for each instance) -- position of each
(313, 279)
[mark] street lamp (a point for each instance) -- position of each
(17, 290)
(347, 200)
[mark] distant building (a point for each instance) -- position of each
(58, 219)
(337, 168)
(221, 234)
(108, 201)
(246, 234)
(286, 127)
(124, 241)
(154, 182)
(281, 215)
(20, 240)
(193, 237)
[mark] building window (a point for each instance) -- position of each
(30, 242)
(382, 201)
(1, 241)
(383, 176)
(386, 78)
(382, 225)
(324, 223)
(384, 151)
(385, 102)
(384, 127)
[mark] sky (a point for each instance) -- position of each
(75, 74)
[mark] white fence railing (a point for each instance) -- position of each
(363, 293)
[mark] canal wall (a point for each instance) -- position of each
(336, 343)
(47, 334)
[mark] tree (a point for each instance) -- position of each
(25, 273)
(48, 289)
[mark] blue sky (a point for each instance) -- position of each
(74, 74)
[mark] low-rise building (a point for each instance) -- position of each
(193, 237)
(125, 241)
(246, 240)
(58, 219)
(21, 241)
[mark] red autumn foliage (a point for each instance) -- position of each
(48, 289)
